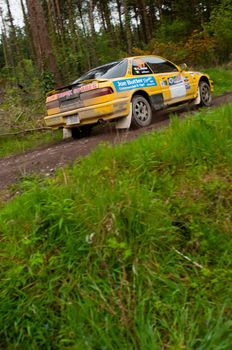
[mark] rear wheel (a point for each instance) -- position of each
(81, 131)
(141, 112)
(205, 94)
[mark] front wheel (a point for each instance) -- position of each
(141, 112)
(205, 94)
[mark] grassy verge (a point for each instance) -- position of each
(222, 79)
(128, 249)
(20, 143)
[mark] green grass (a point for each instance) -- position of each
(222, 79)
(91, 258)
(17, 144)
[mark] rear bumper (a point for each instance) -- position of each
(90, 115)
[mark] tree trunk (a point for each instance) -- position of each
(28, 32)
(91, 17)
(94, 57)
(4, 41)
(127, 28)
(139, 37)
(8, 54)
(13, 31)
(41, 38)
(144, 19)
(59, 18)
(119, 7)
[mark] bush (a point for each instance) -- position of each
(221, 28)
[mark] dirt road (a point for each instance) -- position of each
(45, 160)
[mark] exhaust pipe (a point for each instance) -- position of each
(102, 121)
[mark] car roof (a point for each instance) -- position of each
(148, 55)
(125, 58)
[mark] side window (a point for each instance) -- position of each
(139, 67)
(158, 65)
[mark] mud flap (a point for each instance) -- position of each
(125, 122)
(197, 100)
(67, 133)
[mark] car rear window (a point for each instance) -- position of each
(111, 70)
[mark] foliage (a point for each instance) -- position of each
(221, 27)
(174, 31)
(174, 51)
(222, 77)
(21, 109)
(197, 49)
(200, 49)
(128, 249)
(22, 104)
(48, 82)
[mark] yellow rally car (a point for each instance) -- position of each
(128, 91)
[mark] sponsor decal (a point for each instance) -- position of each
(177, 86)
(175, 80)
(134, 83)
(140, 67)
(76, 90)
(144, 70)
(187, 83)
(164, 83)
(85, 88)
(141, 70)
(65, 93)
(51, 98)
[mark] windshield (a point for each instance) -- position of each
(111, 70)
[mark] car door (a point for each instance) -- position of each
(148, 81)
(144, 79)
(191, 84)
(172, 82)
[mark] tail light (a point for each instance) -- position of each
(96, 93)
(52, 104)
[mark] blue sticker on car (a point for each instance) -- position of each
(134, 83)
(175, 80)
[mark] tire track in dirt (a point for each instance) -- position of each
(47, 159)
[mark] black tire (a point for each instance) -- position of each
(141, 112)
(81, 131)
(205, 94)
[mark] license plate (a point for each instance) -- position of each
(74, 119)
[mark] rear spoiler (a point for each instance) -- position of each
(58, 89)
(64, 87)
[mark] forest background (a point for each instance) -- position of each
(60, 39)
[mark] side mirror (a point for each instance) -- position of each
(183, 67)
